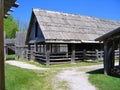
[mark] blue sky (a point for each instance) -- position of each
(106, 9)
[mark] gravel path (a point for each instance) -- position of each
(25, 65)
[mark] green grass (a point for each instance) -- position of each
(103, 82)
(23, 79)
(61, 65)
(10, 57)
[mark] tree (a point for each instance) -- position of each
(10, 26)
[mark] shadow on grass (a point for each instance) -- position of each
(98, 71)
(101, 71)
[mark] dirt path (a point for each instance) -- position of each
(25, 65)
(76, 80)
(75, 77)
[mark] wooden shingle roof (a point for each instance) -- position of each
(58, 26)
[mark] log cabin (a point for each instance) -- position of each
(59, 36)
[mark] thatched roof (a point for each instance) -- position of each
(64, 27)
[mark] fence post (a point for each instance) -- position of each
(84, 54)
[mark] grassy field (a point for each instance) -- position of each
(103, 82)
(23, 79)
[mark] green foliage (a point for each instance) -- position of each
(10, 57)
(10, 26)
(103, 82)
(24, 79)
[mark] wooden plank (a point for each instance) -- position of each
(2, 73)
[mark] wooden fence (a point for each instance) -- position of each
(64, 57)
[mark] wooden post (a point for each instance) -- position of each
(84, 54)
(47, 54)
(97, 55)
(105, 58)
(2, 75)
(112, 61)
(73, 53)
(36, 47)
(35, 51)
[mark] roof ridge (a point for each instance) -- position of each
(67, 14)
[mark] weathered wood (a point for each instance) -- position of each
(73, 53)
(105, 58)
(47, 54)
(2, 75)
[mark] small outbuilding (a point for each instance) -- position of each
(65, 37)
(111, 42)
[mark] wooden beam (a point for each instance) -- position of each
(2, 75)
